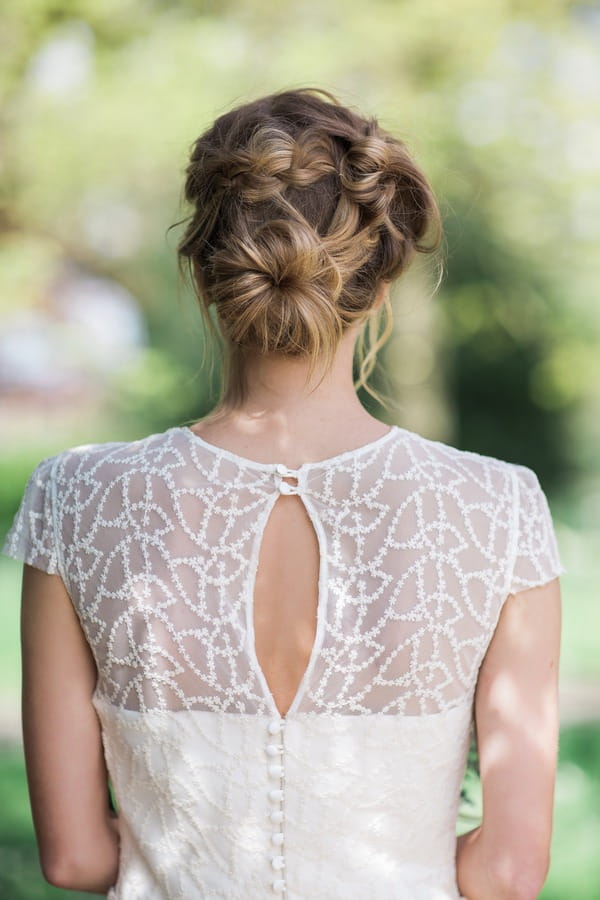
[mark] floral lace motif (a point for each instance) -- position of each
(157, 542)
(355, 792)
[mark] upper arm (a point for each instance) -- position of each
(517, 725)
(62, 738)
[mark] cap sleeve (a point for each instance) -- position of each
(32, 537)
(536, 559)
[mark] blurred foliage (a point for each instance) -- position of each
(100, 102)
(575, 864)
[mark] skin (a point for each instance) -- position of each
(516, 708)
(516, 704)
(77, 836)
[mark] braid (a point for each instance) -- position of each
(301, 208)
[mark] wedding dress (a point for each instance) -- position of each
(354, 793)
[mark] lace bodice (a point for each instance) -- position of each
(354, 792)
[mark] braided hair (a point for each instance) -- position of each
(301, 209)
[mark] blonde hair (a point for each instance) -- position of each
(302, 208)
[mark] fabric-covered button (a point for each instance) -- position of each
(278, 862)
(276, 771)
(278, 885)
(277, 838)
(273, 749)
(276, 817)
(285, 471)
(274, 726)
(276, 795)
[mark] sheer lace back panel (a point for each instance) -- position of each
(286, 596)
(406, 550)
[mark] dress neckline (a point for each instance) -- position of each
(255, 464)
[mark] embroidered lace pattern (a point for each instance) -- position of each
(157, 542)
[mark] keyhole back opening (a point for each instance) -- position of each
(285, 598)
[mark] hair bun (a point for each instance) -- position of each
(272, 288)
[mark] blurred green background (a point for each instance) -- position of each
(499, 101)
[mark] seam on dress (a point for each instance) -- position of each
(515, 536)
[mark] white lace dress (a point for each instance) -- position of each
(354, 793)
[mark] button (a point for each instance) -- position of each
(276, 771)
(274, 726)
(276, 795)
(273, 749)
(277, 838)
(276, 816)
(278, 886)
(278, 862)
(285, 472)
(285, 488)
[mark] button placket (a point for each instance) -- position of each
(274, 747)
(275, 772)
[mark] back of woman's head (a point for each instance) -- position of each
(301, 209)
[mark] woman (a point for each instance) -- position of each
(271, 630)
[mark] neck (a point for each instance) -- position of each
(280, 403)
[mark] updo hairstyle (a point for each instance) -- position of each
(301, 209)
